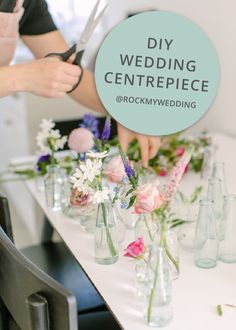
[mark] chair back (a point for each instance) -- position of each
(29, 298)
(5, 219)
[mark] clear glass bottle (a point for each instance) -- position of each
(214, 192)
(206, 241)
(88, 220)
(141, 278)
(207, 164)
(218, 172)
(106, 241)
(145, 227)
(158, 309)
(53, 182)
(227, 251)
(169, 240)
(128, 216)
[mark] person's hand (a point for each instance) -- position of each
(149, 145)
(48, 77)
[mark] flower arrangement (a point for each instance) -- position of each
(49, 140)
(87, 182)
(152, 199)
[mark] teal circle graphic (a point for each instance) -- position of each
(157, 73)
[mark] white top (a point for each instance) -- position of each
(196, 293)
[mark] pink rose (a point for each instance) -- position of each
(115, 169)
(149, 198)
(180, 151)
(80, 200)
(80, 140)
(135, 249)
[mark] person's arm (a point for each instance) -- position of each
(86, 92)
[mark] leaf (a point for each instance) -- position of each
(133, 182)
(131, 202)
(27, 173)
(178, 223)
(197, 191)
(129, 192)
(183, 198)
(219, 310)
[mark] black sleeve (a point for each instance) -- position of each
(36, 19)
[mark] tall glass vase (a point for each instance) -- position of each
(206, 241)
(218, 172)
(227, 251)
(168, 239)
(106, 241)
(158, 311)
(214, 192)
(53, 182)
(145, 227)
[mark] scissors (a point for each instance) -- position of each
(80, 47)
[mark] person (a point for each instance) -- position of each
(49, 77)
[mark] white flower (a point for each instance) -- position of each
(46, 125)
(101, 196)
(49, 135)
(91, 169)
(59, 144)
(98, 155)
(54, 134)
(42, 142)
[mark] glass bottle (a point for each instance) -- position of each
(227, 251)
(206, 239)
(145, 227)
(141, 278)
(128, 216)
(88, 220)
(158, 311)
(106, 241)
(207, 164)
(218, 172)
(169, 240)
(53, 182)
(214, 192)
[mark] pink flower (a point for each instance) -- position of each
(186, 169)
(162, 172)
(176, 175)
(115, 169)
(149, 198)
(81, 200)
(80, 140)
(180, 151)
(135, 249)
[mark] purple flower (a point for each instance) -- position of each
(128, 169)
(91, 123)
(106, 130)
(42, 162)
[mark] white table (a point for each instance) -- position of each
(195, 294)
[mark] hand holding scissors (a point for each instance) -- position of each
(79, 48)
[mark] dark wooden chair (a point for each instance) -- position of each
(56, 260)
(32, 300)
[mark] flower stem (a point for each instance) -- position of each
(152, 295)
(148, 229)
(108, 234)
(172, 259)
